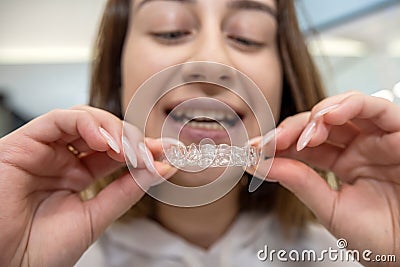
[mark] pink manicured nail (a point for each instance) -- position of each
(323, 111)
(110, 140)
(306, 136)
(170, 173)
(147, 157)
(253, 141)
(268, 137)
(130, 153)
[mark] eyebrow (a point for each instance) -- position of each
(181, 1)
(252, 5)
(235, 4)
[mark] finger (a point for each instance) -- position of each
(144, 178)
(40, 139)
(383, 113)
(325, 105)
(80, 146)
(71, 125)
(112, 202)
(113, 126)
(74, 179)
(108, 120)
(305, 183)
(322, 157)
(140, 153)
(341, 135)
(140, 158)
(355, 113)
(99, 164)
(81, 173)
(290, 130)
(118, 197)
(324, 132)
(364, 125)
(378, 159)
(286, 136)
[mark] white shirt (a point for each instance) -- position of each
(144, 243)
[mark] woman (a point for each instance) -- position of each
(46, 163)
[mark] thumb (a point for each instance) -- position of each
(303, 182)
(111, 203)
(118, 197)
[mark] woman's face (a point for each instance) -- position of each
(238, 33)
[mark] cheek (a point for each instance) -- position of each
(153, 124)
(140, 60)
(270, 85)
(266, 72)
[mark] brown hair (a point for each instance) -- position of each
(302, 88)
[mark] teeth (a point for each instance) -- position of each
(198, 113)
(212, 114)
(206, 125)
(226, 118)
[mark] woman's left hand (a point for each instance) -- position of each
(357, 137)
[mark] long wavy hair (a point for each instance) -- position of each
(302, 88)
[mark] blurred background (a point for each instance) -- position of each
(45, 48)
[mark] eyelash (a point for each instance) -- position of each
(172, 36)
(246, 42)
(175, 36)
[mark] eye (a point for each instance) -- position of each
(245, 42)
(171, 36)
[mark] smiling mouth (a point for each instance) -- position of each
(205, 118)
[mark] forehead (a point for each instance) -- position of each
(266, 6)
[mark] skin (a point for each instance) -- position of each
(359, 140)
(44, 222)
(203, 42)
(211, 29)
(41, 180)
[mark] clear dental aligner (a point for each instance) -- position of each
(209, 155)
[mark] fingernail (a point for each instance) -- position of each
(130, 153)
(147, 157)
(169, 171)
(268, 137)
(253, 141)
(110, 140)
(255, 173)
(323, 111)
(306, 136)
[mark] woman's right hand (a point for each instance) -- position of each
(43, 221)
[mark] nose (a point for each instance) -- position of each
(207, 71)
(209, 60)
